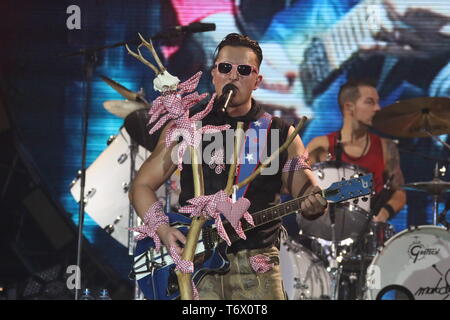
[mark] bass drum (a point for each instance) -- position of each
(414, 265)
(107, 185)
(304, 275)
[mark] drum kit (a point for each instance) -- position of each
(341, 255)
(108, 178)
(344, 255)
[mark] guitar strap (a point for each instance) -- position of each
(251, 154)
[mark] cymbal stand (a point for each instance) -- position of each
(334, 267)
(90, 62)
(435, 209)
(436, 197)
(361, 239)
(132, 216)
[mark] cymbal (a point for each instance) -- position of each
(124, 92)
(122, 108)
(409, 118)
(434, 187)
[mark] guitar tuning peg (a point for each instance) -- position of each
(364, 199)
(355, 201)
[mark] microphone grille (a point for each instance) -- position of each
(229, 87)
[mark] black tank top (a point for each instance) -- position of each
(262, 190)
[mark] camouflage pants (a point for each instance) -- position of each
(242, 282)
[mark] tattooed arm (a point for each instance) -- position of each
(392, 168)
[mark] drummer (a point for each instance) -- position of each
(353, 143)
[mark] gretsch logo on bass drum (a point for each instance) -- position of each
(418, 251)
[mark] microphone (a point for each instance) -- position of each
(228, 91)
(194, 27)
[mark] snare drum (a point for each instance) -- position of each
(350, 217)
(414, 264)
(303, 273)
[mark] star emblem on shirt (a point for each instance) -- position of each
(257, 123)
(249, 157)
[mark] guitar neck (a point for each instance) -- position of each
(338, 191)
(269, 215)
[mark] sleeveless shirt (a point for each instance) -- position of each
(261, 192)
(372, 161)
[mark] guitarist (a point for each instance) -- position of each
(353, 143)
(254, 263)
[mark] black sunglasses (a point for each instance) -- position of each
(243, 69)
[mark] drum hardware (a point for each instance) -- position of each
(337, 231)
(123, 157)
(435, 188)
(419, 117)
(110, 140)
(299, 285)
(132, 216)
(353, 277)
(333, 268)
(320, 174)
(368, 243)
(303, 273)
(77, 177)
(111, 227)
(89, 195)
(109, 179)
(90, 62)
